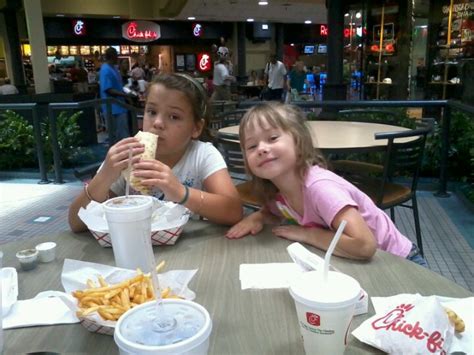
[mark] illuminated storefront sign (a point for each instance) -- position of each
(197, 30)
(141, 31)
(79, 27)
(204, 60)
(323, 30)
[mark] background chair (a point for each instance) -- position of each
(227, 118)
(229, 147)
(368, 115)
(399, 176)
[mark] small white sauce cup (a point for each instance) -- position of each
(27, 258)
(47, 251)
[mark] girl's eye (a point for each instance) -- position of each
(151, 112)
(274, 137)
(174, 117)
(251, 147)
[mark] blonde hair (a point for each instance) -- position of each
(289, 119)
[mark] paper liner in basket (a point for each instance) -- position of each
(75, 274)
(167, 222)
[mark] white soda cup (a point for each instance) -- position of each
(134, 332)
(129, 221)
(325, 310)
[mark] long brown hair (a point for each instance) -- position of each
(195, 94)
(290, 119)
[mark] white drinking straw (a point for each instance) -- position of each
(127, 182)
(331, 248)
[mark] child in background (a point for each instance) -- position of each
(175, 110)
(291, 179)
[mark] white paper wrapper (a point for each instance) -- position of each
(167, 222)
(409, 324)
(75, 274)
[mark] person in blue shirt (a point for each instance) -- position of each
(110, 82)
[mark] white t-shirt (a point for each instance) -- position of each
(221, 73)
(200, 161)
(276, 75)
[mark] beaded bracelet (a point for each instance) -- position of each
(186, 195)
(86, 190)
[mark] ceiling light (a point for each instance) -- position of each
(264, 26)
(59, 15)
(307, 22)
(250, 20)
(263, 3)
(346, 14)
(292, 44)
(115, 16)
(191, 18)
(358, 15)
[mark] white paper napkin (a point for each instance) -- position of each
(46, 308)
(272, 275)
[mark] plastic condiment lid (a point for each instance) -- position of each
(26, 253)
(181, 347)
(130, 203)
(340, 290)
(46, 246)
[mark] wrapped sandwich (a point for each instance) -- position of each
(150, 141)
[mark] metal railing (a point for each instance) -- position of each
(53, 108)
(33, 108)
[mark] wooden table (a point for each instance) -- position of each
(343, 136)
(244, 322)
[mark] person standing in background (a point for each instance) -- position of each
(110, 82)
(221, 80)
(297, 77)
(275, 73)
(6, 88)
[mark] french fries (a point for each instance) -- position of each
(111, 301)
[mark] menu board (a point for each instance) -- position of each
(103, 49)
(125, 50)
(64, 50)
(95, 49)
(134, 49)
(52, 50)
(85, 50)
(73, 50)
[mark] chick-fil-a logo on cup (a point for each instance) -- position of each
(204, 62)
(79, 27)
(313, 319)
(393, 321)
(197, 30)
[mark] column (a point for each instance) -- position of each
(39, 60)
(335, 89)
(279, 34)
(242, 65)
(12, 46)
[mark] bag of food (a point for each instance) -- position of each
(415, 325)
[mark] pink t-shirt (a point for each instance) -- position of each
(325, 194)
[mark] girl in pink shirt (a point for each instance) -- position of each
(291, 180)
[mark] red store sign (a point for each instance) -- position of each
(204, 62)
(141, 31)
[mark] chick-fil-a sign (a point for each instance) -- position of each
(141, 31)
(197, 30)
(79, 27)
(393, 321)
(204, 62)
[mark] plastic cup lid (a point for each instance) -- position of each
(46, 246)
(180, 347)
(340, 290)
(131, 203)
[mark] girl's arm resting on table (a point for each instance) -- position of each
(357, 240)
(220, 202)
(251, 224)
(98, 189)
